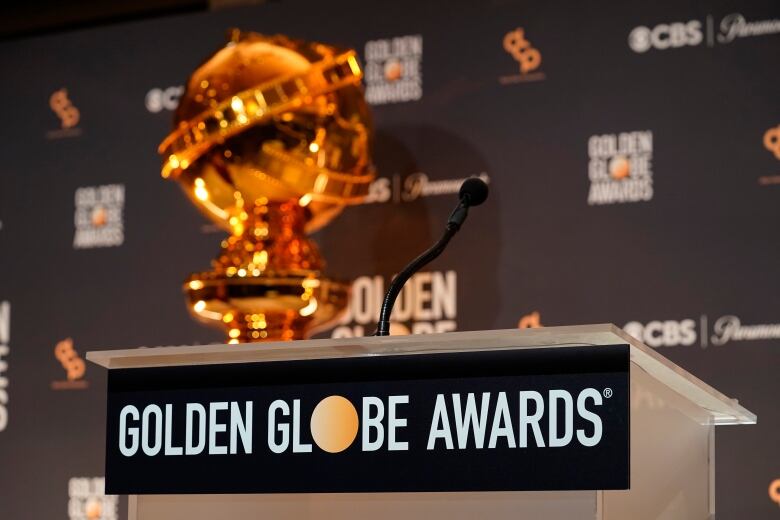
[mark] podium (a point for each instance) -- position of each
(580, 422)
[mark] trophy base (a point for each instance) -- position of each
(267, 307)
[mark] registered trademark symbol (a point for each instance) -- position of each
(607, 393)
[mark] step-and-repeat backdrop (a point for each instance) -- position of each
(633, 155)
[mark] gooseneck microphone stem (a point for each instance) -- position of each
(473, 192)
(383, 327)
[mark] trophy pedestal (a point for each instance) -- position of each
(267, 283)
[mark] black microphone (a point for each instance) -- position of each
(473, 192)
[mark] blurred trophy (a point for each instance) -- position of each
(271, 141)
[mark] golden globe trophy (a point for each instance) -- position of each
(271, 141)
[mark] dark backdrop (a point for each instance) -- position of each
(687, 92)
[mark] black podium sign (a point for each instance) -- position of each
(510, 420)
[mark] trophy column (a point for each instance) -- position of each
(267, 280)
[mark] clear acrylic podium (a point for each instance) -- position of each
(673, 416)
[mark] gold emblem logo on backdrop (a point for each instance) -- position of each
(771, 143)
(528, 58)
(74, 366)
(774, 491)
(69, 115)
(271, 141)
(62, 106)
(521, 50)
(530, 321)
(772, 140)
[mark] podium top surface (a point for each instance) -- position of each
(721, 409)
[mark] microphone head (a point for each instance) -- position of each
(473, 191)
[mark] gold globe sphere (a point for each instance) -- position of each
(272, 139)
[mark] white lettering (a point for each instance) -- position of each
(395, 422)
(373, 421)
(502, 423)
(216, 427)
(151, 449)
(189, 447)
(284, 429)
(440, 425)
(170, 449)
(298, 447)
(527, 420)
(464, 422)
(554, 440)
(586, 414)
(240, 427)
(124, 431)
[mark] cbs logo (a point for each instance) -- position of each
(667, 333)
(158, 100)
(379, 191)
(665, 36)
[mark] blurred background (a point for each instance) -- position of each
(632, 151)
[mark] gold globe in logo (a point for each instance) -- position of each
(271, 141)
(393, 70)
(619, 168)
(93, 509)
(99, 216)
(334, 424)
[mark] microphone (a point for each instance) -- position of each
(473, 192)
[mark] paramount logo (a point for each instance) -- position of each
(736, 26)
(730, 328)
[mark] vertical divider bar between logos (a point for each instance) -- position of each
(704, 334)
